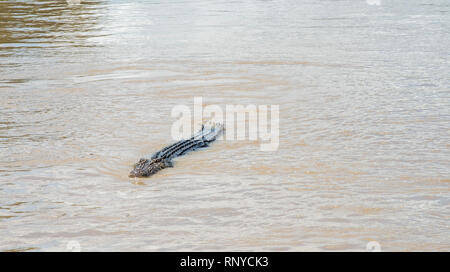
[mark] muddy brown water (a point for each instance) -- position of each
(364, 153)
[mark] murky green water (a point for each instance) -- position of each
(364, 100)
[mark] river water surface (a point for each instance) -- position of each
(363, 90)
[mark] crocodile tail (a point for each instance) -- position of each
(200, 139)
(176, 145)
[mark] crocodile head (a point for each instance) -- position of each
(147, 167)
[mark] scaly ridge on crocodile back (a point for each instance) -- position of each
(163, 158)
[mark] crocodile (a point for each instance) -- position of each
(147, 167)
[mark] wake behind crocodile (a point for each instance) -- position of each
(146, 167)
